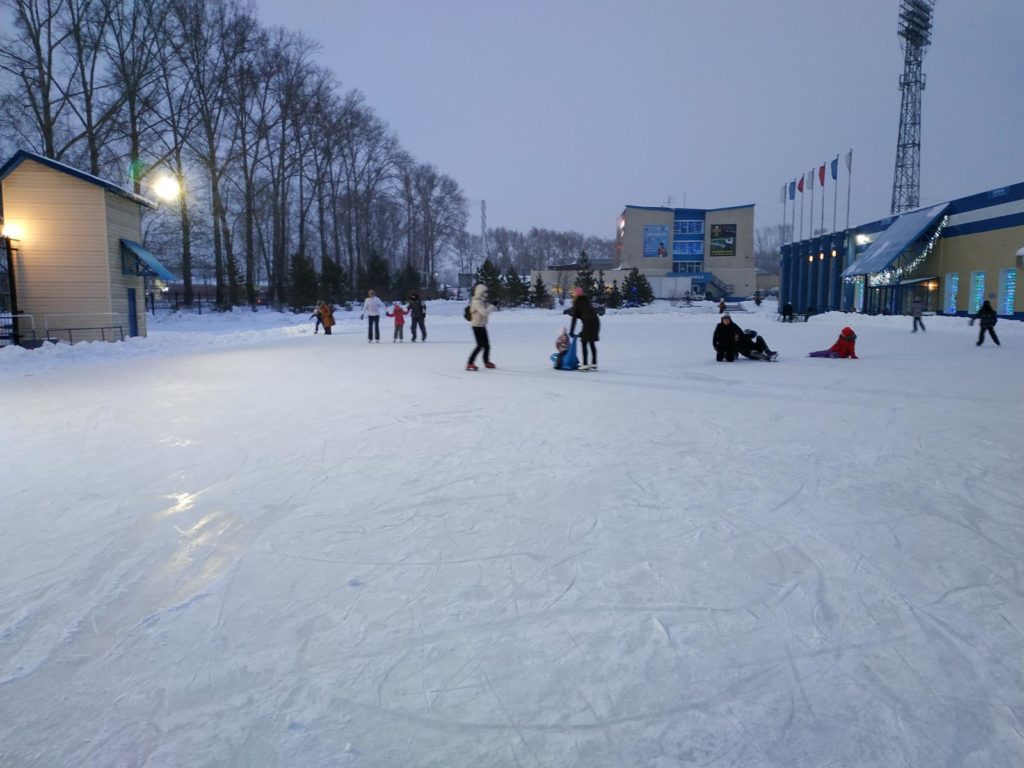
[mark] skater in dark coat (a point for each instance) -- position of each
(917, 312)
(987, 317)
(753, 346)
(787, 312)
(845, 346)
(419, 315)
(726, 339)
(590, 328)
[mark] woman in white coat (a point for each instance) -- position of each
(479, 309)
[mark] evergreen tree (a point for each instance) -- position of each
(517, 293)
(302, 289)
(333, 282)
(407, 280)
(614, 299)
(375, 275)
(584, 274)
(540, 297)
(601, 290)
(637, 288)
(489, 275)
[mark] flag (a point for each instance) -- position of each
(782, 194)
(849, 160)
(792, 190)
(800, 185)
(821, 175)
(835, 168)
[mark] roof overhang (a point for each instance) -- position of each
(142, 262)
(894, 240)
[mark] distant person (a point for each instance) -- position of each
(726, 339)
(399, 314)
(787, 312)
(809, 311)
(845, 346)
(561, 348)
(318, 314)
(917, 311)
(372, 307)
(479, 311)
(753, 346)
(721, 306)
(590, 328)
(326, 317)
(988, 319)
(662, 251)
(418, 309)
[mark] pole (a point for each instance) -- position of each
(849, 182)
(802, 196)
(792, 226)
(835, 196)
(810, 219)
(821, 178)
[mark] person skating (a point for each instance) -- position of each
(845, 346)
(479, 310)
(318, 314)
(988, 318)
(399, 314)
(590, 328)
(917, 312)
(753, 346)
(372, 307)
(419, 315)
(726, 339)
(326, 317)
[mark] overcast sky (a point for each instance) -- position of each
(558, 113)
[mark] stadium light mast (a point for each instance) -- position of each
(915, 31)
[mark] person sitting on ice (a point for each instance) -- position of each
(787, 312)
(562, 346)
(754, 346)
(726, 339)
(845, 346)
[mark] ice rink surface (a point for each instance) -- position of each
(236, 543)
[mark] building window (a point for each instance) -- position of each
(952, 289)
(977, 291)
(688, 248)
(1007, 291)
(689, 267)
(689, 227)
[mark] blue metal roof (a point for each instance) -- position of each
(149, 265)
(21, 155)
(896, 238)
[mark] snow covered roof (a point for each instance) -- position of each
(21, 155)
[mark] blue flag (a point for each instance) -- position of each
(835, 168)
(792, 190)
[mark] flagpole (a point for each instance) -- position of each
(821, 178)
(849, 182)
(792, 210)
(785, 194)
(835, 195)
(802, 196)
(810, 219)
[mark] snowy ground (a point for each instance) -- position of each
(237, 543)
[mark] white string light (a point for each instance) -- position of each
(894, 276)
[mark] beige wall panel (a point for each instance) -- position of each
(632, 252)
(987, 252)
(124, 221)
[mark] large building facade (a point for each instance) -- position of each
(679, 250)
(953, 256)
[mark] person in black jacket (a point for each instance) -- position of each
(987, 317)
(419, 315)
(726, 339)
(754, 346)
(584, 311)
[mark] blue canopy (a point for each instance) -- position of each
(146, 263)
(895, 240)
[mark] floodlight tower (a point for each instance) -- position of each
(915, 31)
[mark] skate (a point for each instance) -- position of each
(490, 365)
(471, 367)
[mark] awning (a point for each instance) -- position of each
(146, 264)
(919, 280)
(895, 240)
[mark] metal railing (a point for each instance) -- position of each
(83, 326)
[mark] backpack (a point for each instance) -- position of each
(467, 313)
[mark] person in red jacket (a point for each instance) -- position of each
(399, 314)
(845, 346)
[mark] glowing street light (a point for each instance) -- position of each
(167, 188)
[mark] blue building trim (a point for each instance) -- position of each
(985, 225)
